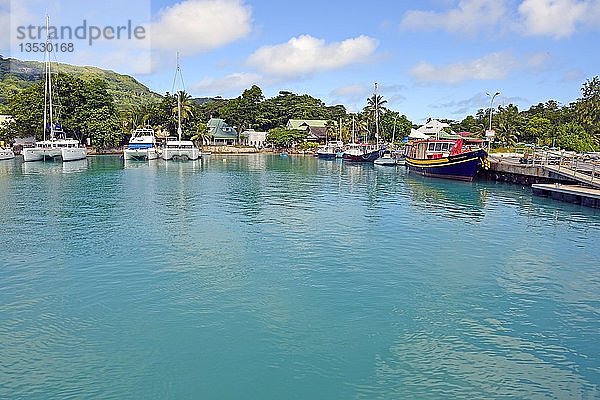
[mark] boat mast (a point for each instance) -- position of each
(48, 84)
(376, 117)
(178, 71)
(353, 134)
(394, 131)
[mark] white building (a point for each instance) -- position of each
(250, 137)
(433, 127)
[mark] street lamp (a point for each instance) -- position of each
(491, 105)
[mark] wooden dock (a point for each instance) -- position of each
(585, 196)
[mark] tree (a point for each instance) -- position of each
(394, 126)
(537, 129)
(330, 129)
(572, 136)
(508, 125)
(201, 137)
(375, 108)
(184, 106)
(84, 109)
(243, 111)
(281, 137)
(586, 110)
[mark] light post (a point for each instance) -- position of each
(492, 105)
(491, 136)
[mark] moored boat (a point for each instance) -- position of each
(450, 159)
(180, 150)
(142, 145)
(6, 153)
(177, 149)
(386, 158)
(328, 151)
(59, 145)
(357, 152)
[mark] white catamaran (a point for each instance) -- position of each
(175, 148)
(58, 146)
(142, 145)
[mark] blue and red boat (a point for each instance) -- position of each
(450, 159)
(361, 152)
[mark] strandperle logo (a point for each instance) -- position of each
(89, 33)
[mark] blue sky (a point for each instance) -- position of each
(431, 58)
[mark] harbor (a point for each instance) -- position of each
(260, 200)
(336, 279)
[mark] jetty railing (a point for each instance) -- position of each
(582, 167)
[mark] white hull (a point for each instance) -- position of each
(385, 161)
(140, 154)
(6, 154)
(73, 154)
(180, 154)
(44, 154)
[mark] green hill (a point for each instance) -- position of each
(16, 75)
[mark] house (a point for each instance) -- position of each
(315, 128)
(219, 133)
(250, 137)
(433, 127)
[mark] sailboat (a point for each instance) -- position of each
(175, 148)
(58, 145)
(364, 152)
(327, 151)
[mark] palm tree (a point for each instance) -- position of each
(186, 105)
(375, 107)
(330, 129)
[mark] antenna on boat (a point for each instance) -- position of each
(376, 117)
(178, 72)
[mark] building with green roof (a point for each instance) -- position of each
(221, 134)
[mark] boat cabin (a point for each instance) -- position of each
(440, 148)
(430, 149)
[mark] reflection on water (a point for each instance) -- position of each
(294, 277)
(54, 167)
(454, 366)
(453, 199)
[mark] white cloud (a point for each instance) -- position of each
(305, 54)
(232, 84)
(351, 91)
(12, 14)
(470, 16)
(538, 60)
(491, 66)
(200, 25)
(557, 18)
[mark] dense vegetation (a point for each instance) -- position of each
(575, 126)
(105, 107)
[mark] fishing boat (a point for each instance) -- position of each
(442, 158)
(328, 151)
(6, 153)
(359, 152)
(58, 145)
(175, 148)
(142, 145)
(365, 152)
(400, 157)
(386, 158)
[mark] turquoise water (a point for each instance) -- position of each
(262, 277)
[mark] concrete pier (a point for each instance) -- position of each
(506, 167)
(576, 194)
